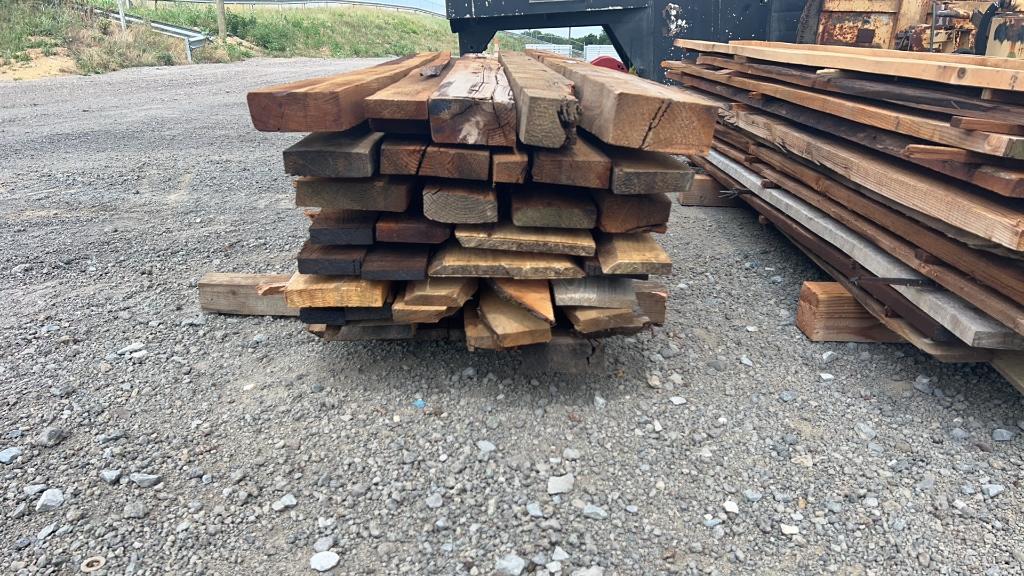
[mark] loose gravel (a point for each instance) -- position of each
(140, 436)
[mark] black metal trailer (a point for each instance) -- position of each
(641, 30)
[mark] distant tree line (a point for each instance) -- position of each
(587, 40)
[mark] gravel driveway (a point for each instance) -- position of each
(136, 430)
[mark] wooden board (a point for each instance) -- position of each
(351, 154)
(879, 115)
(443, 292)
(478, 335)
(986, 125)
(625, 110)
(402, 311)
(706, 191)
(473, 105)
(511, 324)
(315, 291)
(383, 194)
(506, 236)
(445, 161)
(639, 172)
(632, 254)
(402, 155)
(552, 207)
(460, 202)
(407, 98)
(228, 293)
(640, 213)
(599, 292)
(588, 320)
(546, 109)
(652, 298)
(411, 229)
(396, 262)
(349, 227)
(326, 104)
(533, 295)
(964, 321)
(581, 164)
(828, 313)
(592, 267)
(454, 260)
(930, 195)
(331, 260)
(961, 74)
(510, 166)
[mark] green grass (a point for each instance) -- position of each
(25, 25)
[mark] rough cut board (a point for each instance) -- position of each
(533, 295)
(552, 207)
(653, 300)
(478, 335)
(945, 72)
(582, 164)
(440, 291)
(473, 105)
(972, 327)
(351, 154)
(314, 291)
(588, 320)
(632, 254)
(226, 293)
(383, 194)
(460, 162)
(592, 267)
(510, 166)
(402, 156)
(411, 229)
(879, 115)
(407, 98)
(454, 260)
(626, 110)
(914, 189)
(828, 313)
(331, 260)
(396, 262)
(402, 311)
(350, 227)
(600, 292)
(706, 191)
(624, 214)
(546, 109)
(327, 104)
(506, 236)
(460, 202)
(512, 324)
(639, 172)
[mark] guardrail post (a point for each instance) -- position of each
(188, 49)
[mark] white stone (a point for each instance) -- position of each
(324, 561)
(731, 507)
(789, 530)
(561, 484)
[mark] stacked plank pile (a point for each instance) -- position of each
(455, 198)
(900, 173)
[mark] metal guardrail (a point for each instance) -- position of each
(420, 6)
(193, 38)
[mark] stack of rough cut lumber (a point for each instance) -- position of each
(899, 173)
(455, 197)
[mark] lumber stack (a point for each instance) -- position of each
(505, 201)
(901, 174)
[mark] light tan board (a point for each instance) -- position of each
(533, 295)
(401, 311)
(383, 194)
(313, 291)
(478, 335)
(546, 108)
(706, 191)
(455, 261)
(828, 313)
(460, 202)
(588, 320)
(639, 172)
(653, 300)
(582, 164)
(599, 292)
(440, 291)
(407, 98)
(473, 105)
(632, 254)
(506, 236)
(626, 110)
(512, 324)
(226, 293)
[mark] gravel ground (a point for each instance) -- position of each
(134, 429)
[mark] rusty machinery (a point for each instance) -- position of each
(990, 27)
